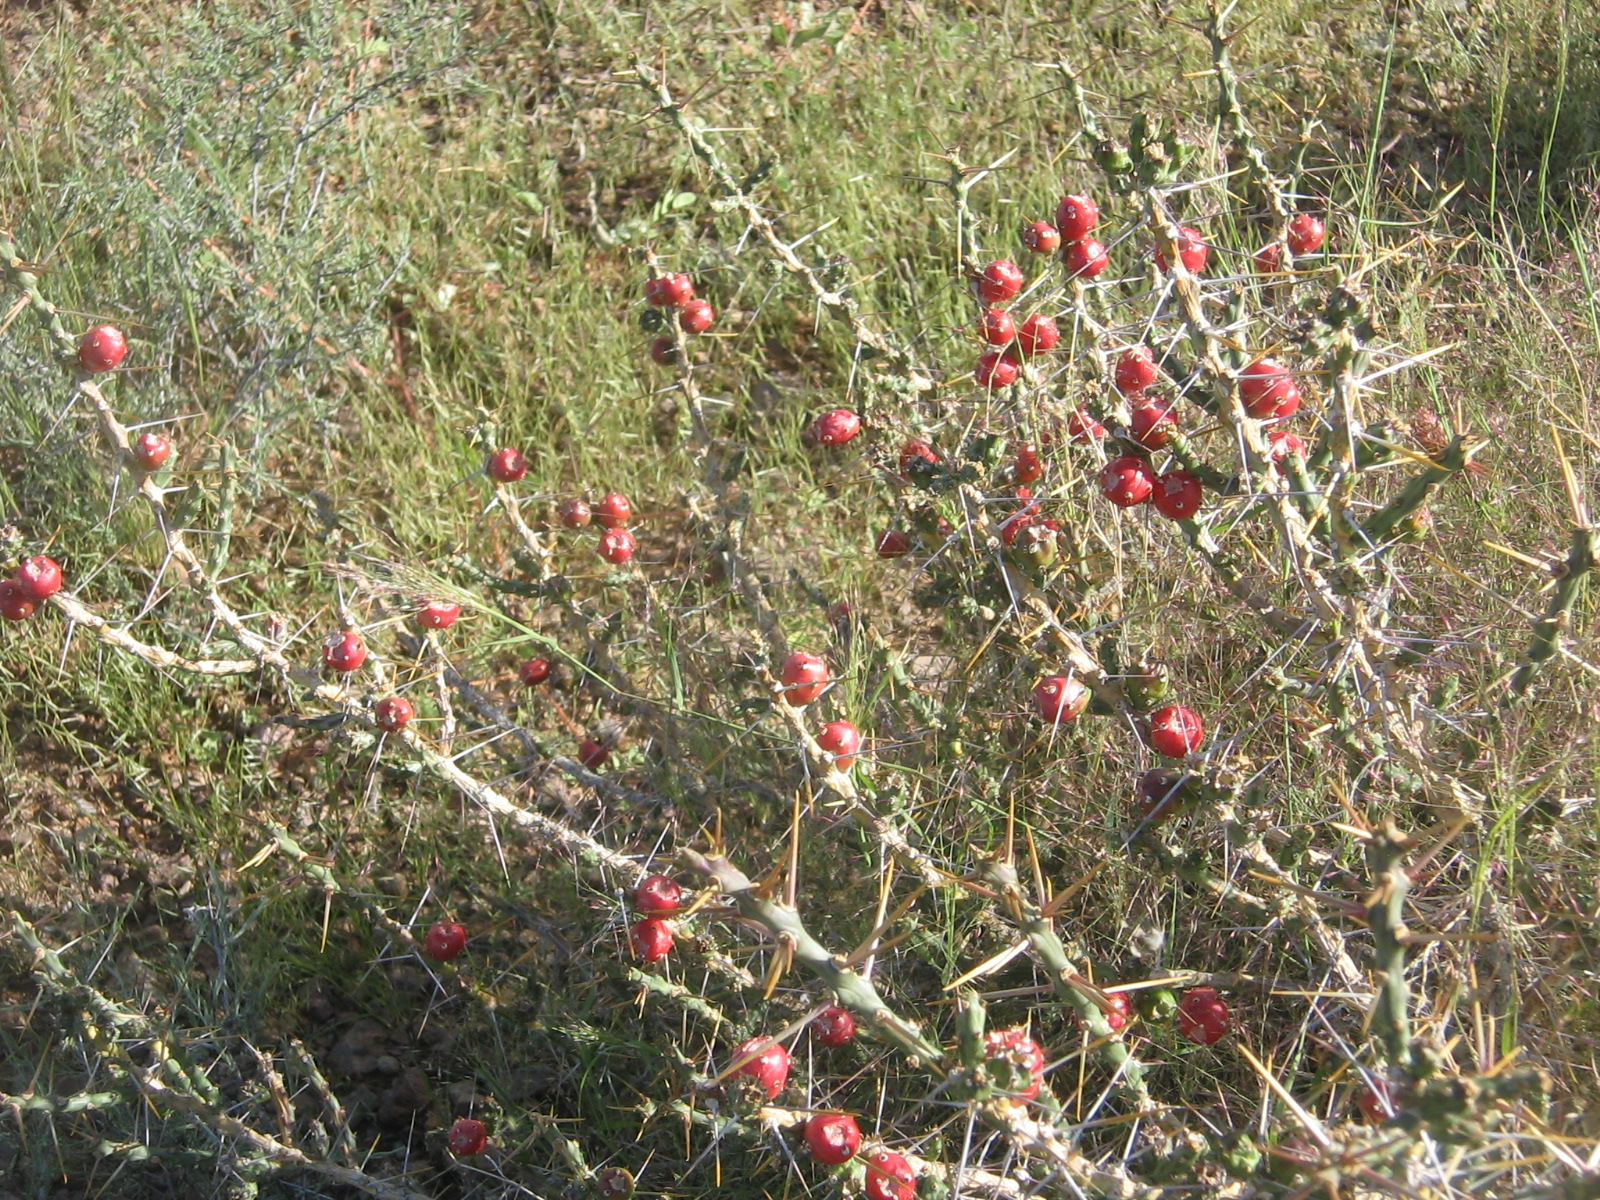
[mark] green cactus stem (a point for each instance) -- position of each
(1457, 455)
(1386, 917)
(1230, 115)
(1547, 630)
(1110, 157)
(854, 991)
(1066, 980)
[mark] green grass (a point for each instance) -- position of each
(272, 200)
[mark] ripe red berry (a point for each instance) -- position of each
(804, 678)
(1177, 495)
(438, 614)
(614, 511)
(892, 543)
(1127, 481)
(651, 939)
(1037, 335)
(1060, 699)
(1305, 234)
(1376, 1100)
(769, 1066)
(467, 1137)
(616, 546)
(39, 578)
(842, 740)
(1135, 370)
(697, 316)
(1022, 1059)
(151, 450)
(1268, 390)
(344, 651)
(1282, 444)
(1011, 528)
(994, 370)
(574, 513)
(1269, 259)
(664, 352)
(534, 671)
(1027, 466)
(672, 290)
(507, 465)
(445, 941)
(102, 349)
(1041, 237)
(1083, 428)
(592, 754)
(833, 1138)
(1120, 1012)
(834, 1026)
(614, 1183)
(890, 1176)
(1085, 259)
(914, 449)
(14, 602)
(1151, 423)
(392, 713)
(997, 327)
(1001, 281)
(836, 427)
(1192, 251)
(1076, 216)
(1202, 1016)
(1176, 731)
(1159, 793)
(658, 894)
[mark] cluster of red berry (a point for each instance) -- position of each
(674, 291)
(1305, 236)
(657, 896)
(508, 465)
(1000, 283)
(613, 513)
(804, 677)
(346, 652)
(30, 585)
(832, 1138)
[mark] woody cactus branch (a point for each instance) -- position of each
(836, 302)
(268, 654)
(1029, 1136)
(173, 1087)
(64, 1106)
(731, 530)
